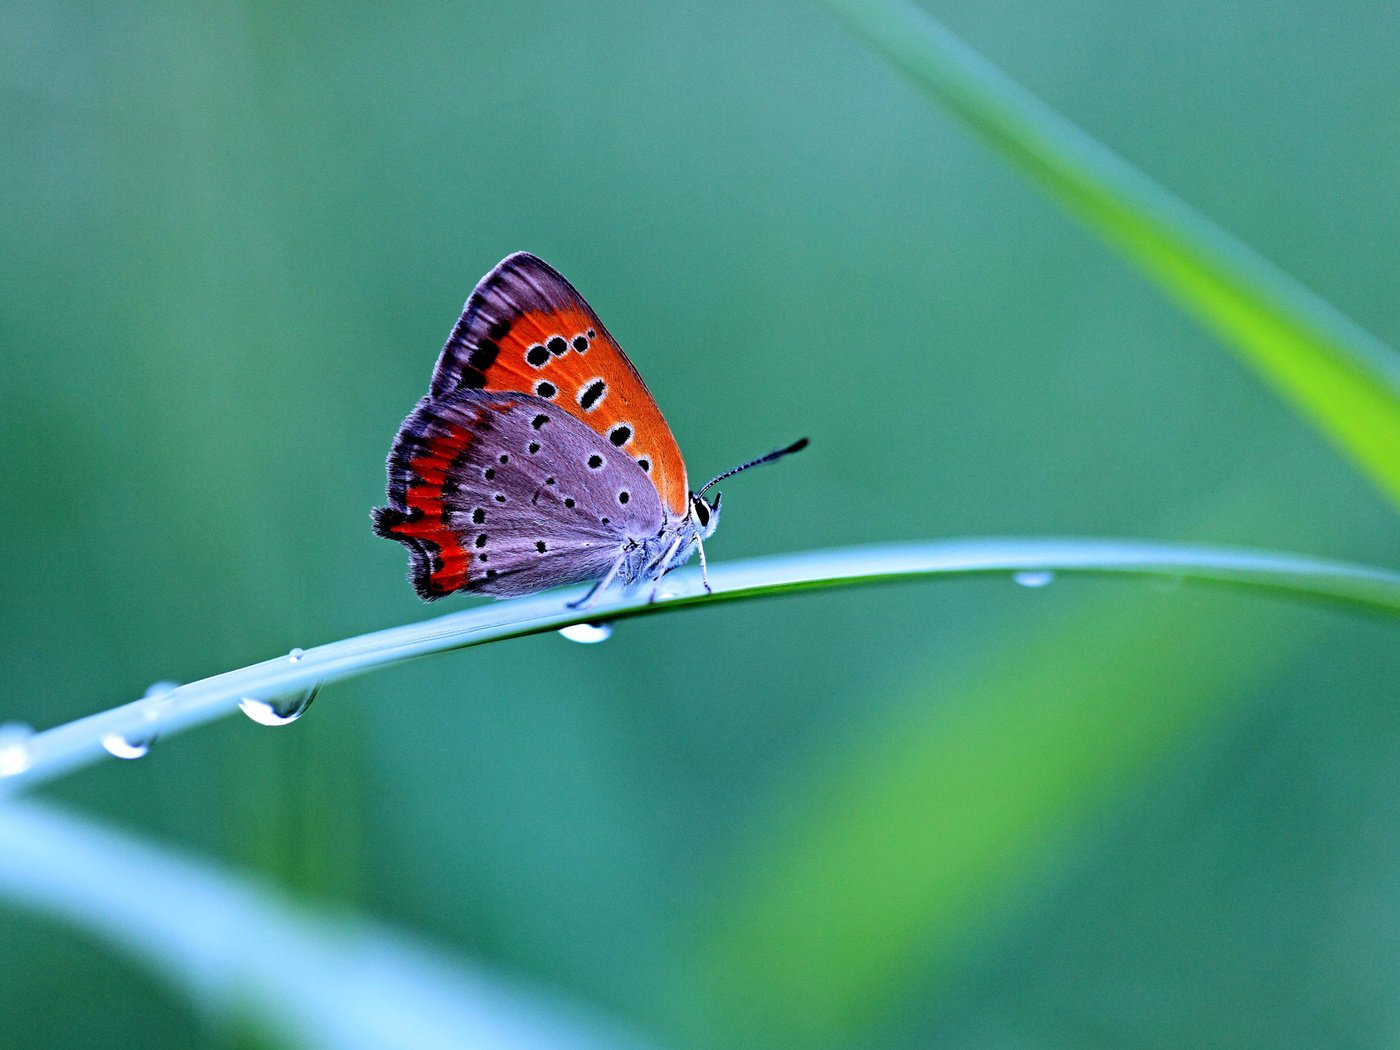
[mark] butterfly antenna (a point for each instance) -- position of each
(777, 453)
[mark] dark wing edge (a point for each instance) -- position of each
(430, 441)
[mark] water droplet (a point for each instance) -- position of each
(587, 633)
(160, 688)
(14, 750)
(282, 711)
(119, 746)
(1034, 578)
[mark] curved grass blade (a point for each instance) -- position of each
(49, 754)
(238, 948)
(1339, 376)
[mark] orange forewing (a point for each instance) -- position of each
(526, 329)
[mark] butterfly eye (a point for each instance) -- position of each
(702, 512)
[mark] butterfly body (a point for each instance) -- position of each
(539, 457)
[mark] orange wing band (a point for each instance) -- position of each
(440, 562)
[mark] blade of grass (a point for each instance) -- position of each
(236, 947)
(44, 756)
(1341, 377)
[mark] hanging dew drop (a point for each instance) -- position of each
(280, 712)
(587, 633)
(131, 746)
(119, 746)
(15, 757)
(1034, 578)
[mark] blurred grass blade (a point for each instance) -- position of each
(1344, 379)
(887, 866)
(233, 946)
(52, 753)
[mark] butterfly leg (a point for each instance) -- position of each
(704, 566)
(596, 589)
(661, 566)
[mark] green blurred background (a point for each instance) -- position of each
(964, 814)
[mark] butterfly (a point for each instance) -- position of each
(539, 457)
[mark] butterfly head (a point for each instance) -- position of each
(704, 514)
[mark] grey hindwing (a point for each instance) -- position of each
(538, 497)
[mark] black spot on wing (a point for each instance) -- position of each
(589, 396)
